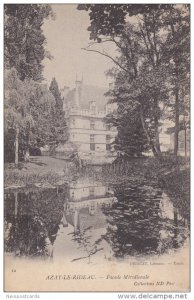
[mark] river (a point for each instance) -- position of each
(92, 221)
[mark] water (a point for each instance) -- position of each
(92, 221)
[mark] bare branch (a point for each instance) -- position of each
(97, 43)
(108, 56)
(105, 40)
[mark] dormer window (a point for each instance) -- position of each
(92, 125)
(93, 107)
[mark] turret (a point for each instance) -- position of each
(78, 91)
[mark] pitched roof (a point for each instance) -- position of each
(89, 93)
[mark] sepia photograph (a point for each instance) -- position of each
(97, 147)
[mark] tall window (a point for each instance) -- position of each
(108, 146)
(91, 190)
(107, 127)
(91, 138)
(107, 138)
(92, 142)
(92, 125)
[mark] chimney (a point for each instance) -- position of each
(93, 107)
(78, 90)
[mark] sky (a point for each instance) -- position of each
(65, 37)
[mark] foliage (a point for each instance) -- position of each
(136, 222)
(138, 95)
(177, 57)
(28, 104)
(106, 19)
(59, 127)
(36, 223)
(24, 38)
(54, 89)
(131, 139)
(151, 39)
(28, 107)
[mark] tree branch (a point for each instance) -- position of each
(145, 41)
(154, 39)
(108, 56)
(150, 41)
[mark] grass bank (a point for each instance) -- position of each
(42, 170)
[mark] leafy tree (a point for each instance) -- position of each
(139, 55)
(24, 38)
(17, 114)
(143, 85)
(54, 89)
(59, 127)
(28, 107)
(144, 45)
(42, 106)
(110, 19)
(177, 59)
(27, 104)
(131, 139)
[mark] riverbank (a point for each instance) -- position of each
(170, 174)
(173, 176)
(42, 171)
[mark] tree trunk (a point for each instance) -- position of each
(156, 125)
(157, 137)
(176, 130)
(26, 155)
(151, 143)
(185, 138)
(16, 204)
(16, 145)
(27, 150)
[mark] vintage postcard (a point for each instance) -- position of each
(97, 147)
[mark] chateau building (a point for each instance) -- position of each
(86, 107)
(83, 207)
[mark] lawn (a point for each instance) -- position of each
(39, 170)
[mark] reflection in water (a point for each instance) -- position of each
(84, 212)
(143, 221)
(83, 239)
(32, 221)
(88, 219)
